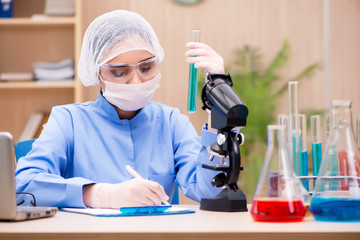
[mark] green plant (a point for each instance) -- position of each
(255, 84)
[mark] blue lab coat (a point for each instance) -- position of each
(87, 143)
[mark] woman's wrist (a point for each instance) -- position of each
(209, 122)
(88, 194)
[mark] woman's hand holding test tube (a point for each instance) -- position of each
(204, 57)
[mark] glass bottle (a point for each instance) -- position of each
(337, 190)
(278, 195)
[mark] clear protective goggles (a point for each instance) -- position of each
(122, 73)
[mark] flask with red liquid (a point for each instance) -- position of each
(278, 196)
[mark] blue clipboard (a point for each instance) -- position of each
(130, 211)
(144, 210)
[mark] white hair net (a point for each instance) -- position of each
(111, 34)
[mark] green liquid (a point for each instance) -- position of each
(316, 154)
(193, 82)
(304, 168)
(295, 155)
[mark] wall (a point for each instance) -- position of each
(344, 51)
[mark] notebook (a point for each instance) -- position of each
(9, 210)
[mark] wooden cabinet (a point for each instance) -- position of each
(25, 40)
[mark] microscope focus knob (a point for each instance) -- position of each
(220, 139)
(219, 180)
(241, 138)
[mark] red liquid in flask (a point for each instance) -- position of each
(278, 210)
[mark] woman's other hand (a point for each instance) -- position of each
(135, 192)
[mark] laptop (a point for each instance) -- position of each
(9, 210)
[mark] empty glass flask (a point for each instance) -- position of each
(278, 196)
(337, 191)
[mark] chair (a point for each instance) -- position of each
(22, 148)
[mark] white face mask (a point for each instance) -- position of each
(131, 97)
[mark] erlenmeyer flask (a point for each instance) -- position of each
(337, 190)
(278, 195)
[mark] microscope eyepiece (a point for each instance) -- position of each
(218, 94)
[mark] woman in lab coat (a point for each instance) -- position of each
(80, 157)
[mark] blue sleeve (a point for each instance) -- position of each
(190, 153)
(43, 170)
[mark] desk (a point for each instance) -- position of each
(201, 225)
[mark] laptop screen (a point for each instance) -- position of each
(7, 177)
(8, 206)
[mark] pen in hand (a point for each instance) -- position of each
(137, 175)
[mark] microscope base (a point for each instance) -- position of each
(226, 201)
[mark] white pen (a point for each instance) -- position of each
(137, 175)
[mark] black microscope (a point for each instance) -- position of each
(228, 112)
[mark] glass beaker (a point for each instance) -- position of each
(337, 190)
(278, 196)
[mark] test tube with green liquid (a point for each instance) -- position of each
(193, 77)
(294, 126)
(303, 158)
(316, 147)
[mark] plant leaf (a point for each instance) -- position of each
(279, 61)
(307, 73)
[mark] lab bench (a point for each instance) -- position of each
(200, 225)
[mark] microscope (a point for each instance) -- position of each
(228, 112)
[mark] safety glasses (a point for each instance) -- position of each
(122, 73)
